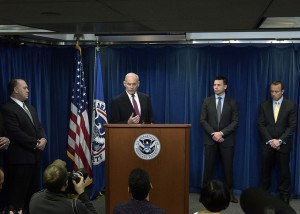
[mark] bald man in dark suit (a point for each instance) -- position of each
(219, 132)
(123, 108)
(28, 140)
(276, 130)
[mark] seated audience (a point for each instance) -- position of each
(55, 199)
(259, 201)
(215, 196)
(139, 186)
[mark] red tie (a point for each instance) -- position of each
(135, 106)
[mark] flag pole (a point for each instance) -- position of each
(98, 130)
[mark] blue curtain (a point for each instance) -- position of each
(177, 78)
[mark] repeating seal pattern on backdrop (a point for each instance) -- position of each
(147, 146)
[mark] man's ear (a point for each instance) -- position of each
(16, 90)
(128, 189)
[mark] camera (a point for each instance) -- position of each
(75, 176)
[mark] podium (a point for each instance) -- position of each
(162, 150)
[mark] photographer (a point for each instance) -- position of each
(54, 199)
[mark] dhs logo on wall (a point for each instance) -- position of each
(147, 146)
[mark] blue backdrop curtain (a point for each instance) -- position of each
(177, 78)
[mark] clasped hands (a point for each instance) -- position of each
(275, 144)
(41, 143)
(217, 136)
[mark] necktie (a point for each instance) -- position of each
(135, 106)
(27, 112)
(219, 108)
(276, 110)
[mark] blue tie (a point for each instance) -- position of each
(219, 109)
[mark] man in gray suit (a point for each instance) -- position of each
(277, 122)
(219, 119)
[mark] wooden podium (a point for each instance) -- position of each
(169, 170)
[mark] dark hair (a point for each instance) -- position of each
(215, 196)
(259, 201)
(139, 184)
(11, 86)
(221, 78)
(55, 177)
(277, 82)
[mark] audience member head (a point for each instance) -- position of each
(139, 184)
(60, 162)
(215, 196)
(1, 179)
(259, 201)
(56, 177)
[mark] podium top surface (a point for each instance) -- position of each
(148, 125)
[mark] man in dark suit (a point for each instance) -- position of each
(28, 140)
(4, 144)
(219, 118)
(130, 106)
(277, 122)
(4, 141)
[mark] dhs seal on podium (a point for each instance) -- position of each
(147, 146)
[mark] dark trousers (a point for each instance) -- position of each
(22, 183)
(226, 156)
(270, 157)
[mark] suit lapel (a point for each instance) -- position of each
(142, 105)
(128, 102)
(214, 107)
(282, 107)
(270, 110)
(22, 111)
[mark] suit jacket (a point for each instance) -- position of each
(47, 202)
(22, 133)
(2, 134)
(283, 128)
(136, 207)
(228, 122)
(121, 108)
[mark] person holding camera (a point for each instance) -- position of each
(55, 199)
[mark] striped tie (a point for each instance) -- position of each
(27, 112)
(135, 106)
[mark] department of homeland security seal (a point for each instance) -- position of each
(147, 146)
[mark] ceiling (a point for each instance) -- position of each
(108, 18)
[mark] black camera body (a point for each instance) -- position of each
(75, 176)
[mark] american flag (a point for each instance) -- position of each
(79, 145)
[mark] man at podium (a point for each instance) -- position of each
(130, 106)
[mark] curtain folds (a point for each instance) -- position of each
(177, 78)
